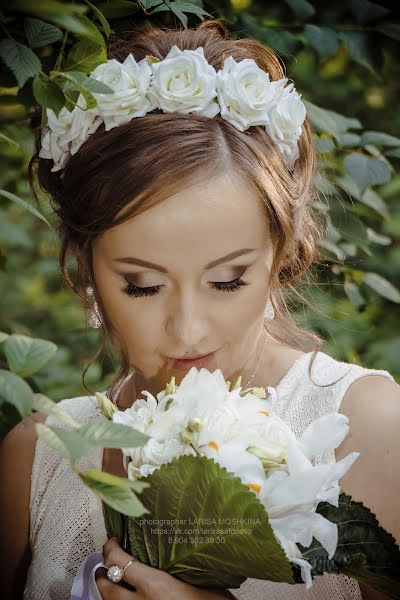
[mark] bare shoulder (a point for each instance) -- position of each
(372, 404)
(17, 452)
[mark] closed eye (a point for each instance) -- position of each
(223, 286)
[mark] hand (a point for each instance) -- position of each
(141, 582)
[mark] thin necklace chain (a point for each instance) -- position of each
(258, 364)
(244, 387)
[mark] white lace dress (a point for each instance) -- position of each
(66, 522)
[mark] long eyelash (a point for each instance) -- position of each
(223, 286)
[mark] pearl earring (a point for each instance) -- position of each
(94, 319)
(269, 311)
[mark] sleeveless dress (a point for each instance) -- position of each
(66, 521)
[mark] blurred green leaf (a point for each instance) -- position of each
(391, 30)
(395, 153)
(377, 238)
(366, 171)
(301, 8)
(38, 33)
(47, 8)
(363, 49)
(330, 121)
(323, 39)
(99, 15)
(20, 60)
(324, 145)
(25, 205)
(371, 198)
(366, 11)
(379, 138)
(27, 355)
(16, 391)
(382, 286)
(353, 293)
(80, 25)
(118, 8)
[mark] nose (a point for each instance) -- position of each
(188, 322)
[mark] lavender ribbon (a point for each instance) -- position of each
(84, 586)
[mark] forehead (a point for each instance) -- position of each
(204, 220)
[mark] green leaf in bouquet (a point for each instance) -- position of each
(117, 492)
(44, 404)
(69, 444)
(26, 355)
(234, 539)
(365, 551)
(15, 391)
(106, 434)
(107, 407)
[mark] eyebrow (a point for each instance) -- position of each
(131, 260)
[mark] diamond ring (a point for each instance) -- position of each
(115, 572)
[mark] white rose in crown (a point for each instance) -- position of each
(130, 81)
(65, 134)
(285, 123)
(245, 93)
(184, 82)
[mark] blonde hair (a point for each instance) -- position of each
(141, 159)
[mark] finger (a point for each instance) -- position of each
(136, 574)
(113, 591)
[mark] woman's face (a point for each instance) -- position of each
(185, 311)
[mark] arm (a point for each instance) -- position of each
(372, 404)
(17, 452)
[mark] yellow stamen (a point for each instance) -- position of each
(256, 487)
(213, 445)
(263, 412)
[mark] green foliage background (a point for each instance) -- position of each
(343, 57)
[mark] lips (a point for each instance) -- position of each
(183, 364)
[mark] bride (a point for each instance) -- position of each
(186, 229)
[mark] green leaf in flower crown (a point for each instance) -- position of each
(26, 355)
(47, 93)
(365, 551)
(85, 56)
(234, 540)
(117, 492)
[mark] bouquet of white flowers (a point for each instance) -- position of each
(227, 491)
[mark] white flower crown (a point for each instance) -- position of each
(185, 82)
